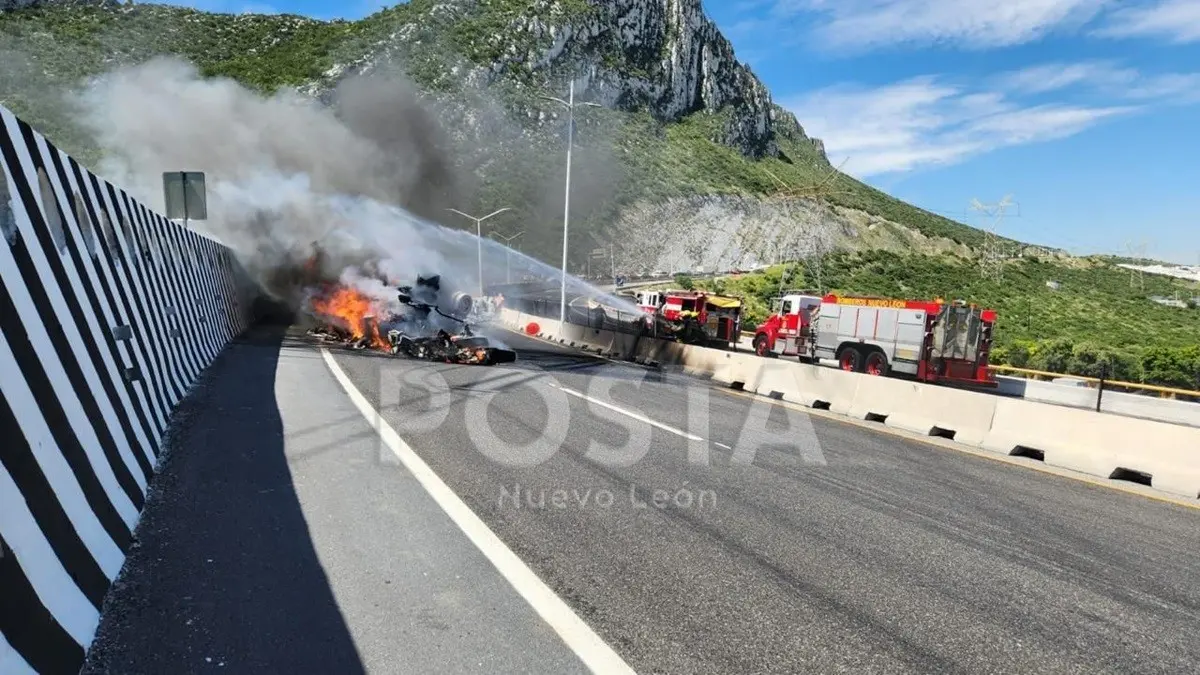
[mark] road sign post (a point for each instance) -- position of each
(185, 196)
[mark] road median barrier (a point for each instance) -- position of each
(624, 346)
(663, 352)
(1163, 455)
(964, 416)
(805, 385)
(599, 341)
(740, 371)
(1166, 456)
(571, 335)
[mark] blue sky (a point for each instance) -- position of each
(1087, 112)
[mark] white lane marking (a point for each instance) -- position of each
(579, 637)
(722, 445)
(627, 413)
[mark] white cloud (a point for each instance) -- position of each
(1049, 77)
(967, 23)
(1180, 87)
(1108, 78)
(1043, 123)
(1175, 20)
(924, 121)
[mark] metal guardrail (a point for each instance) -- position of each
(1093, 382)
(1099, 382)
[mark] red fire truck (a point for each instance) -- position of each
(695, 317)
(931, 339)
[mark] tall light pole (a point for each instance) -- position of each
(570, 105)
(507, 251)
(479, 238)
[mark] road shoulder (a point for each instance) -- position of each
(281, 536)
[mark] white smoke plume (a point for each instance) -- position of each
(288, 176)
(285, 172)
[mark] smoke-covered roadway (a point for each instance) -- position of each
(310, 548)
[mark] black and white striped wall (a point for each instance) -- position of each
(108, 312)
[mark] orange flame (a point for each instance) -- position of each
(350, 309)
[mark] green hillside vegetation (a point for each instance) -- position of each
(58, 46)
(1095, 318)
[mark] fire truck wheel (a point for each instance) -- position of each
(760, 345)
(876, 363)
(850, 359)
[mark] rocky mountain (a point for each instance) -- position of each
(684, 133)
(662, 56)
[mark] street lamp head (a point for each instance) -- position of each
(556, 99)
(505, 238)
(496, 212)
(479, 220)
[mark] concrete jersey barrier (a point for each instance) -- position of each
(108, 314)
(1099, 444)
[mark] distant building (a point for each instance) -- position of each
(1176, 271)
(1169, 302)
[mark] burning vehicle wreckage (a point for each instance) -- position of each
(418, 331)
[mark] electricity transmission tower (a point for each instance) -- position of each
(991, 262)
(815, 245)
(1137, 254)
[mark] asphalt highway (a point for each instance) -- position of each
(826, 548)
(694, 530)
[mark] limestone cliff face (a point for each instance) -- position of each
(666, 56)
(662, 56)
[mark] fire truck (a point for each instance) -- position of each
(694, 317)
(933, 340)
